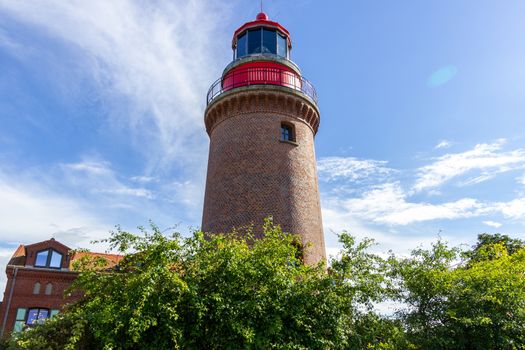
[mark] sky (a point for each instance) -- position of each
(422, 115)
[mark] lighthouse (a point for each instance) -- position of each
(262, 117)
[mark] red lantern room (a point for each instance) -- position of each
(261, 56)
(261, 36)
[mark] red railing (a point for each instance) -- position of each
(261, 76)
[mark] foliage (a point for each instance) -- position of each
(477, 303)
(483, 249)
(224, 292)
(217, 292)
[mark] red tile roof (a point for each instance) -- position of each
(19, 256)
(112, 259)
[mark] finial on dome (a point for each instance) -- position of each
(261, 16)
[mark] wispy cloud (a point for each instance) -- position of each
(477, 179)
(81, 201)
(144, 179)
(521, 180)
(33, 209)
(338, 217)
(443, 144)
(98, 177)
(151, 65)
(486, 157)
(514, 209)
(7, 42)
(388, 204)
(351, 169)
(160, 195)
(492, 223)
(31, 212)
(383, 204)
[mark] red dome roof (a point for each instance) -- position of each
(262, 16)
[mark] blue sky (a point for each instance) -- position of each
(422, 115)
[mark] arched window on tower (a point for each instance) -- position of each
(36, 288)
(49, 289)
(287, 132)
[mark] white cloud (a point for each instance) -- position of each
(144, 179)
(98, 177)
(166, 201)
(477, 179)
(350, 168)
(514, 209)
(136, 192)
(91, 167)
(5, 256)
(153, 64)
(486, 157)
(492, 223)
(31, 213)
(337, 218)
(521, 180)
(443, 144)
(388, 204)
(383, 208)
(7, 42)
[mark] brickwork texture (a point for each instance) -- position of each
(253, 174)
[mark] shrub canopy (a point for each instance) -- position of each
(220, 292)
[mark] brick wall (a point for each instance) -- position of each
(252, 174)
(23, 296)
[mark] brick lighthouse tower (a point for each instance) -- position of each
(261, 118)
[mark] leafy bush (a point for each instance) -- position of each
(224, 292)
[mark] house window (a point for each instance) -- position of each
(31, 317)
(36, 316)
(36, 288)
(49, 289)
(48, 258)
(287, 132)
(20, 319)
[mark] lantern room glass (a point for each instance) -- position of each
(254, 41)
(241, 45)
(281, 45)
(269, 41)
(261, 41)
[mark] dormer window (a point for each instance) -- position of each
(48, 258)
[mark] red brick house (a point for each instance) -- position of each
(37, 277)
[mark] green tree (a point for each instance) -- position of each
(477, 303)
(482, 250)
(224, 292)
(217, 292)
